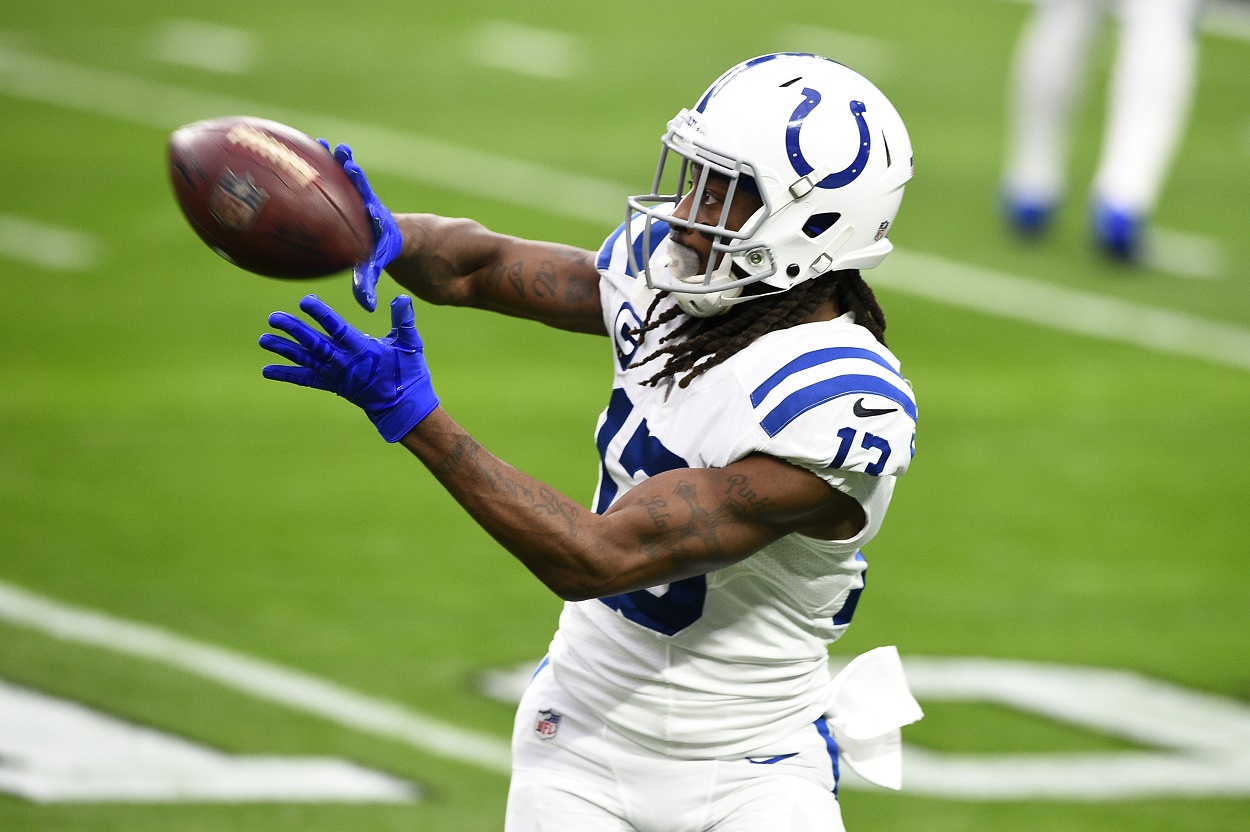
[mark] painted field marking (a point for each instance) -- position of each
(256, 677)
(202, 45)
(166, 107)
(1186, 255)
(54, 751)
(872, 57)
(588, 199)
(1205, 739)
(48, 246)
(526, 50)
(1058, 307)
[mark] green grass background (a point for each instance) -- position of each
(1072, 500)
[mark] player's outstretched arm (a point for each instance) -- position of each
(675, 525)
(462, 263)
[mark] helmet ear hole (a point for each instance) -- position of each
(818, 224)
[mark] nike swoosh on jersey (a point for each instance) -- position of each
(772, 760)
(859, 410)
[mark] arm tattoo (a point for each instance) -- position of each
(579, 291)
(545, 280)
(745, 501)
(497, 475)
(512, 272)
(656, 511)
(694, 539)
(445, 466)
(551, 503)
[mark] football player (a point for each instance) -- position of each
(1148, 105)
(756, 426)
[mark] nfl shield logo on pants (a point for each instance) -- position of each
(548, 724)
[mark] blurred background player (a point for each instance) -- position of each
(755, 429)
(1148, 103)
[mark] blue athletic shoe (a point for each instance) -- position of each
(1118, 233)
(1027, 217)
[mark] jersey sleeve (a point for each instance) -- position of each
(864, 430)
(835, 410)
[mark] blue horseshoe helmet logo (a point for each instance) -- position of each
(801, 166)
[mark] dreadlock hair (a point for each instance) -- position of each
(699, 344)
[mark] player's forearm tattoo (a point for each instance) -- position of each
(553, 503)
(498, 477)
(546, 280)
(576, 290)
(512, 272)
(448, 464)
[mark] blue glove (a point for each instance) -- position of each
(387, 239)
(385, 377)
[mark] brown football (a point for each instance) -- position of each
(268, 198)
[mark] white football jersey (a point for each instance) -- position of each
(720, 664)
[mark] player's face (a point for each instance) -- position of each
(709, 210)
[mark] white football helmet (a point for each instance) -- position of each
(823, 148)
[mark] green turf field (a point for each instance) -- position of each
(1074, 499)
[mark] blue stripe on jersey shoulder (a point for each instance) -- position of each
(814, 359)
(605, 252)
(659, 233)
(804, 399)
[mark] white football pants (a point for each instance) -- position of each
(571, 773)
(1148, 100)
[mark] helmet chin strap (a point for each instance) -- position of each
(707, 305)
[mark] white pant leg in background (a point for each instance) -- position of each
(581, 776)
(1149, 101)
(1047, 77)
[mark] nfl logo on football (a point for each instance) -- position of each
(547, 725)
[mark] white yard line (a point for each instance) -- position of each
(431, 162)
(1058, 307)
(872, 57)
(1202, 738)
(527, 50)
(209, 46)
(1186, 255)
(56, 751)
(259, 678)
(591, 200)
(49, 246)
